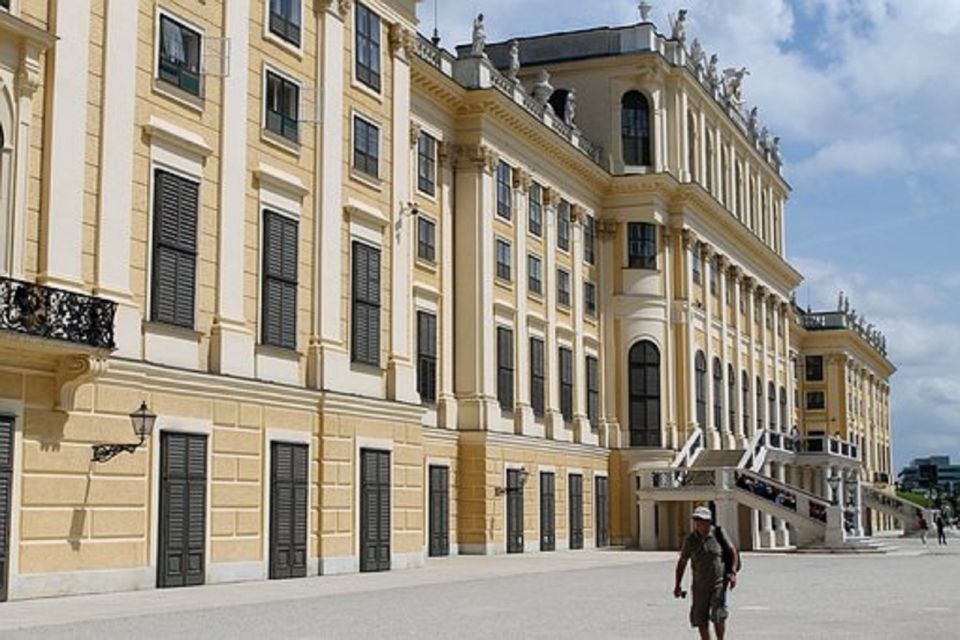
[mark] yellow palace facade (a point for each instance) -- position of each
(379, 302)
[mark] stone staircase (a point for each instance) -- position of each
(904, 511)
(718, 458)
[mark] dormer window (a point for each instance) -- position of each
(635, 129)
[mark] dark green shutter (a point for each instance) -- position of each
(374, 510)
(366, 304)
(427, 356)
(548, 526)
(602, 508)
(6, 500)
(505, 368)
(514, 512)
(288, 510)
(183, 510)
(575, 482)
(537, 391)
(176, 202)
(566, 383)
(439, 510)
(279, 280)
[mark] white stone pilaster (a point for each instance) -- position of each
(553, 419)
(581, 424)
(706, 268)
(614, 435)
(688, 243)
(668, 364)
(446, 401)
(523, 414)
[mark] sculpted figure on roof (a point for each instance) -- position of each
(514, 60)
(479, 37)
(679, 26)
(713, 73)
(570, 108)
(542, 90)
(697, 55)
(733, 84)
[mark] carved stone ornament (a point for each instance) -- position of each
(28, 75)
(551, 197)
(689, 238)
(481, 156)
(522, 179)
(401, 41)
(606, 229)
(414, 134)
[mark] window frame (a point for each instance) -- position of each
(367, 76)
(184, 251)
(504, 191)
(178, 84)
(531, 259)
(265, 278)
(284, 33)
(427, 359)
(505, 373)
(592, 374)
(640, 151)
(565, 381)
(372, 359)
(284, 80)
(498, 244)
(810, 368)
(717, 394)
(538, 377)
(812, 406)
(427, 184)
(422, 245)
(589, 299)
(563, 294)
(642, 246)
(356, 169)
(644, 398)
(563, 222)
(535, 204)
(589, 240)
(700, 383)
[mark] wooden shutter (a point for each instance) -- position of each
(176, 202)
(6, 500)
(439, 511)
(537, 392)
(548, 530)
(288, 507)
(427, 356)
(575, 482)
(375, 510)
(566, 383)
(183, 510)
(366, 304)
(279, 280)
(602, 508)
(505, 368)
(514, 512)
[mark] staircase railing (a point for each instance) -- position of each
(755, 453)
(786, 496)
(905, 508)
(691, 448)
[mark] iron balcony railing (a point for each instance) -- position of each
(46, 312)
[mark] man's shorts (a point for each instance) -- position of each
(709, 605)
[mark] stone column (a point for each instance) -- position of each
(752, 369)
(668, 364)
(611, 434)
(523, 414)
(707, 268)
(688, 244)
(232, 344)
(768, 535)
(738, 293)
(726, 427)
(581, 424)
(61, 254)
(553, 419)
(446, 400)
(782, 533)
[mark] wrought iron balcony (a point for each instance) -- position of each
(46, 312)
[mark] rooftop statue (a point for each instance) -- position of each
(697, 55)
(679, 26)
(645, 8)
(479, 37)
(542, 89)
(514, 61)
(753, 121)
(840, 301)
(775, 151)
(764, 140)
(733, 84)
(713, 73)
(570, 108)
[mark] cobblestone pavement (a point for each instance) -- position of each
(913, 592)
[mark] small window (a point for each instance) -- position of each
(366, 147)
(283, 107)
(505, 368)
(566, 383)
(536, 209)
(179, 62)
(427, 357)
(590, 299)
(815, 400)
(563, 287)
(745, 399)
(563, 225)
(279, 281)
(427, 164)
(535, 275)
(589, 235)
(285, 20)
(814, 368)
(368, 48)
(537, 377)
(504, 262)
(504, 191)
(696, 263)
(642, 245)
(366, 304)
(714, 275)
(593, 391)
(426, 239)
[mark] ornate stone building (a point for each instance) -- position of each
(379, 302)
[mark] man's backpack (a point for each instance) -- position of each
(728, 553)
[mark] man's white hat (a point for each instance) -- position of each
(702, 513)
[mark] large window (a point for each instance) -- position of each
(534, 275)
(642, 245)
(759, 393)
(717, 394)
(635, 129)
(697, 278)
(563, 287)
(745, 401)
(504, 260)
(772, 405)
(279, 281)
(536, 209)
(426, 239)
(285, 20)
(593, 391)
(365, 332)
(714, 275)
(283, 107)
(175, 211)
(504, 191)
(731, 398)
(537, 377)
(505, 368)
(783, 409)
(179, 59)
(427, 356)
(566, 383)
(366, 147)
(427, 164)
(815, 400)
(644, 383)
(814, 368)
(590, 299)
(368, 47)
(700, 366)
(563, 225)
(589, 240)
(692, 146)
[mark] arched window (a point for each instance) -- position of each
(751, 205)
(731, 397)
(723, 175)
(709, 181)
(738, 194)
(701, 382)
(717, 393)
(783, 409)
(745, 400)
(692, 146)
(772, 406)
(759, 389)
(644, 381)
(635, 129)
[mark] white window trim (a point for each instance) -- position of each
(436, 165)
(162, 86)
(423, 261)
(354, 81)
(355, 173)
(499, 238)
(270, 36)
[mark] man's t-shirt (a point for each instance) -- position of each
(706, 559)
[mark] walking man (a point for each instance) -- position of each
(714, 561)
(941, 529)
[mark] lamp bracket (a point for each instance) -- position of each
(105, 452)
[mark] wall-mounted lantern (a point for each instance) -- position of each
(142, 420)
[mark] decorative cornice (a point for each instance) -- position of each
(551, 197)
(480, 156)
(607, 229)
(522, 179)
(401, 41)
(578, 213)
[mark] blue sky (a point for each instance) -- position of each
(866, 97)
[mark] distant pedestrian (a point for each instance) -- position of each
(714, 561)
(922, 527)
(941, 529)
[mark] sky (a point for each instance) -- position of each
(865, 95)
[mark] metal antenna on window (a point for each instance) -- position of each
(436, 33)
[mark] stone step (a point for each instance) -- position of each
(717, 458)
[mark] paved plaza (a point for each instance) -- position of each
(912, 592)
